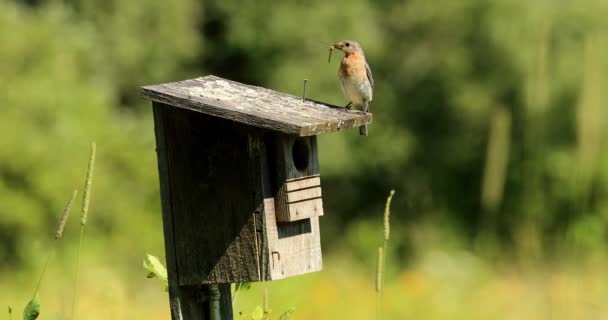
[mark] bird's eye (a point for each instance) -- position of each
(347, 44)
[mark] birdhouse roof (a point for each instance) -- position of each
(255, 106)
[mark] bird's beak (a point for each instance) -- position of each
(338, 46)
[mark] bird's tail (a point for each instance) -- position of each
(363, 130)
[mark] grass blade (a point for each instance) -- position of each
(87, 186)
(387, 214)
(65, 216)
(83, 220)
(382, 253)
(379, 270)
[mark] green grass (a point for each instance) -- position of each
(33, 308)
(83, 221)
(439, 283)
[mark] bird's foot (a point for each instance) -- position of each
(348, 106)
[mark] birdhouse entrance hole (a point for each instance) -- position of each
(300, 153)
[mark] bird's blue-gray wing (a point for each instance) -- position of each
(370, 77)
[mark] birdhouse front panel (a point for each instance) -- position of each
(298, 178)
(288, 248)
(294, 247)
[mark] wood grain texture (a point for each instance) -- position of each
(183, 301)
(303, 183)
(255, 106)
(259, 146)
(303, 194)
(217, 178)
(291, 248)
(212, 204)
(298, 193)
(218, 187)
(294, 247)
(306, 209)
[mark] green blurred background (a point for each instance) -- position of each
(489, 123)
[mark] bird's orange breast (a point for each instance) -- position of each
(353, 67)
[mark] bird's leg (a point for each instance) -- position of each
(366, 107)
(348, 106)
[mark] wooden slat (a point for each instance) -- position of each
(298, 184)
(306, 209)
(255, 106)
(303, 194)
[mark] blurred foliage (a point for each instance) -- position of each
(488, 115)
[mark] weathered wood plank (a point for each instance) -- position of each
(303, 194)
(303, 183)
(182, 301)
(294, 247)
(212, 198)
(305, 209)
(255, 106)
(259, 150)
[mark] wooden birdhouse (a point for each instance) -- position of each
(240, 179)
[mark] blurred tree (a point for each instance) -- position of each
(66, 67)
(71, 72)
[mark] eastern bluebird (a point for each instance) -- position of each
(355, 77)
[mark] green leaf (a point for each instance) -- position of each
(156, 269)
(287, 314)
(32, 310)
(258, 313)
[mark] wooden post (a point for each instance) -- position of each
(228, 155)
(185, 301)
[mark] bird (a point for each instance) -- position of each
(356, 77)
